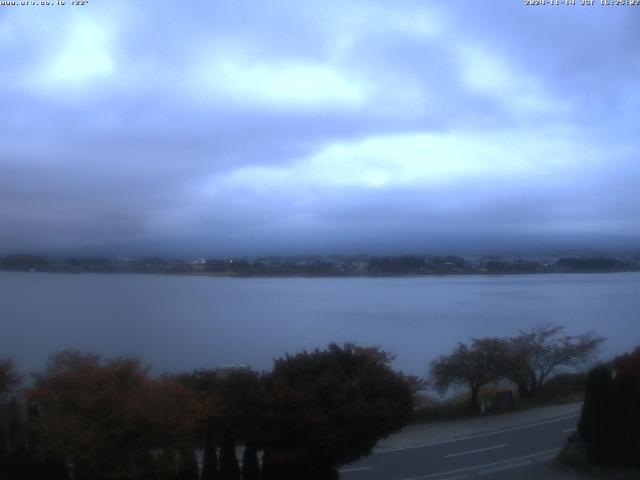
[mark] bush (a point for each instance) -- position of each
(329, 407)
(562, 387)
(610, 420)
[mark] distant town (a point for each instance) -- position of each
(328, 266)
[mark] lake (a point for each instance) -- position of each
(180, 323)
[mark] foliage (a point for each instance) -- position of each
(474, 365)
(593, 264)
(206, 385)
(20, 262)
(242, 403)
(595, 423)
(187, 464)
(168, 410)
(329, 407)
(108, 415)
(397, 265)
(250, 463)
(626, 407)
(538, 353)
(9, 377)
(229, 468)
(502, 267)
(18, 451)
(529, 360)
(87, 407)
(209, 458)
(561, 387)
(610, 420)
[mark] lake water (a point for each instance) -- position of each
(180, 323)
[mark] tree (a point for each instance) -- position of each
(187, 464)
(16, 429)
(107, 415)
(170, 413)
(474, 366)
(397, 265)
(626, 408)
(165, 465)
(209, 458)
(329, 407)
(610, 420)
(234, 407)
(229, 468)
(541, 351)
(14, 461)
(24, 262)
(9, 377)
(242, 402)
(250, 463)
(595, 422)
(86, 407)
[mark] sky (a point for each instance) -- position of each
(241, 128)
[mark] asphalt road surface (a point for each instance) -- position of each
(492, 454)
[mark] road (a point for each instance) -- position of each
(490, 454)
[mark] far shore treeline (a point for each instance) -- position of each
(329, 266)
(88, 417)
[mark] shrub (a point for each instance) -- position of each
(610, 420)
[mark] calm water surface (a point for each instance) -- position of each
(177, 323)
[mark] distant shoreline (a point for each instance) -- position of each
(336, 266)
(309, 275)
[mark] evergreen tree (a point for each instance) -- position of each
(594, 421)
(272, 469)
(53, 468)
(626, 409)
(17, 442)
(3, 439)
(145, 466)
(33, 420)
(229, 469)
(210, 458)
(267, 466)
(610, 420)
(250, 463)
(187, 464)
(166, 465)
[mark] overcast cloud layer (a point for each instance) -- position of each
(233, 127)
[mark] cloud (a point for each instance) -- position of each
(426, 159)
(279, 86)
(231, 126)
(84, 55)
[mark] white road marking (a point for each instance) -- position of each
(480, 435)
(459, 477)
(570, 430)
(505, 467)
(486, 465)
(355, 469)
(469, 452)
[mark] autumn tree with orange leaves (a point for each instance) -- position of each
(108, 416)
